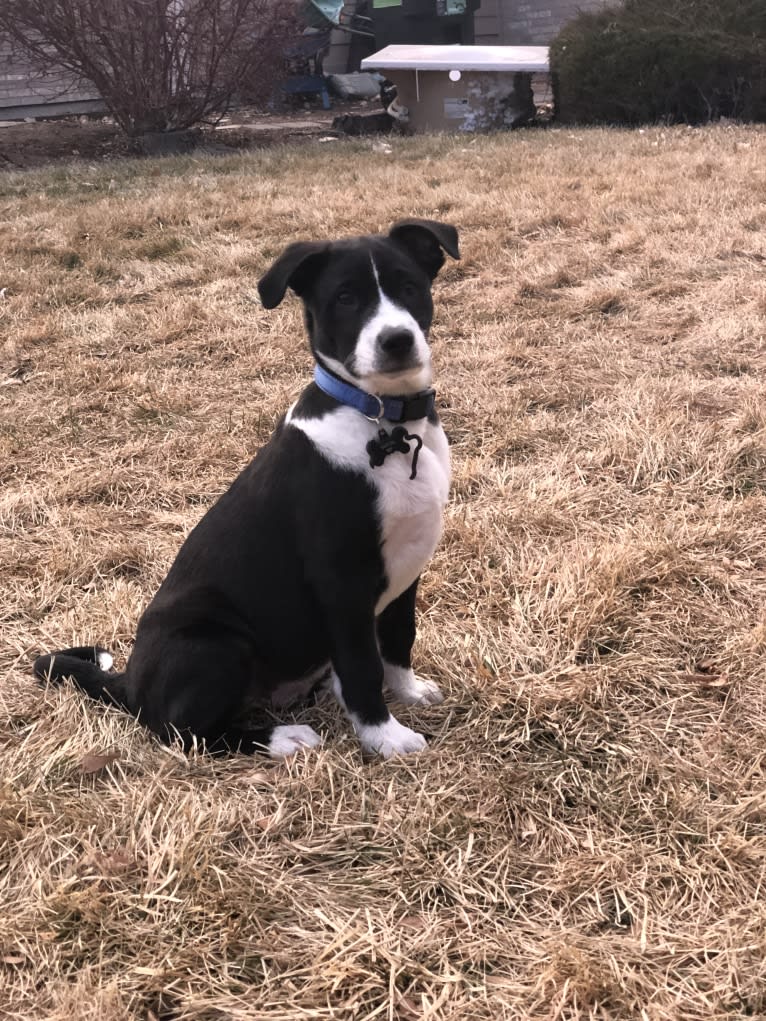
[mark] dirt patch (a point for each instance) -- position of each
(29, 144)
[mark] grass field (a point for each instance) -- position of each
(586, 835)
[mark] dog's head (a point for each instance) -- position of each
(367, 301)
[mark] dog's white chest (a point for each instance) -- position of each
(410, 510)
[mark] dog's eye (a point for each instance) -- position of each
(409, 290)
(345, 298)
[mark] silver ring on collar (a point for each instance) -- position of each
(381, 409)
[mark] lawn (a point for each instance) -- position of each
(586, 835)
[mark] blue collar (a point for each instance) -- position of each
(408, 408)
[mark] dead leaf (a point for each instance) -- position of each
(414, 922)
(707, 666)
(93, 762)
(707, 680)
(497, 981)
(261, 776)
(529, 827)
(265, 822)
(18, 373)
(112, 863)
(408, 1008)
(715, 681)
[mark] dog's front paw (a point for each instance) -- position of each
(421, 692)
(411, 690)
(288, 740)
(390, 738)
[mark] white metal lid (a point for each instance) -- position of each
(458, 58)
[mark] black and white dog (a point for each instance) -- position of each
(306, 569)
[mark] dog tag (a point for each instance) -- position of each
(394, 442)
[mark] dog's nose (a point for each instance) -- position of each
(396, 342)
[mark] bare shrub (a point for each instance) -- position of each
(159, 65)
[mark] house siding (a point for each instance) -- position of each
(519, 22)
(486, 23)
(526, 23)
(22, 87)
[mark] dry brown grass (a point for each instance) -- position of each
(586, 836)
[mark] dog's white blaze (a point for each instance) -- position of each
(288, 740)
(409, 689)
(410, 510)
(390, 316)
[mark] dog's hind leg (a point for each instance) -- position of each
(197, 693)
(278, 742)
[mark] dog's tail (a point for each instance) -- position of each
(88, 666)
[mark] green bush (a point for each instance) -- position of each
(681, 60)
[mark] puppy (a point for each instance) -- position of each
(306, 569)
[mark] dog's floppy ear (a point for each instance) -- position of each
(426, 241)
(294, 268)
